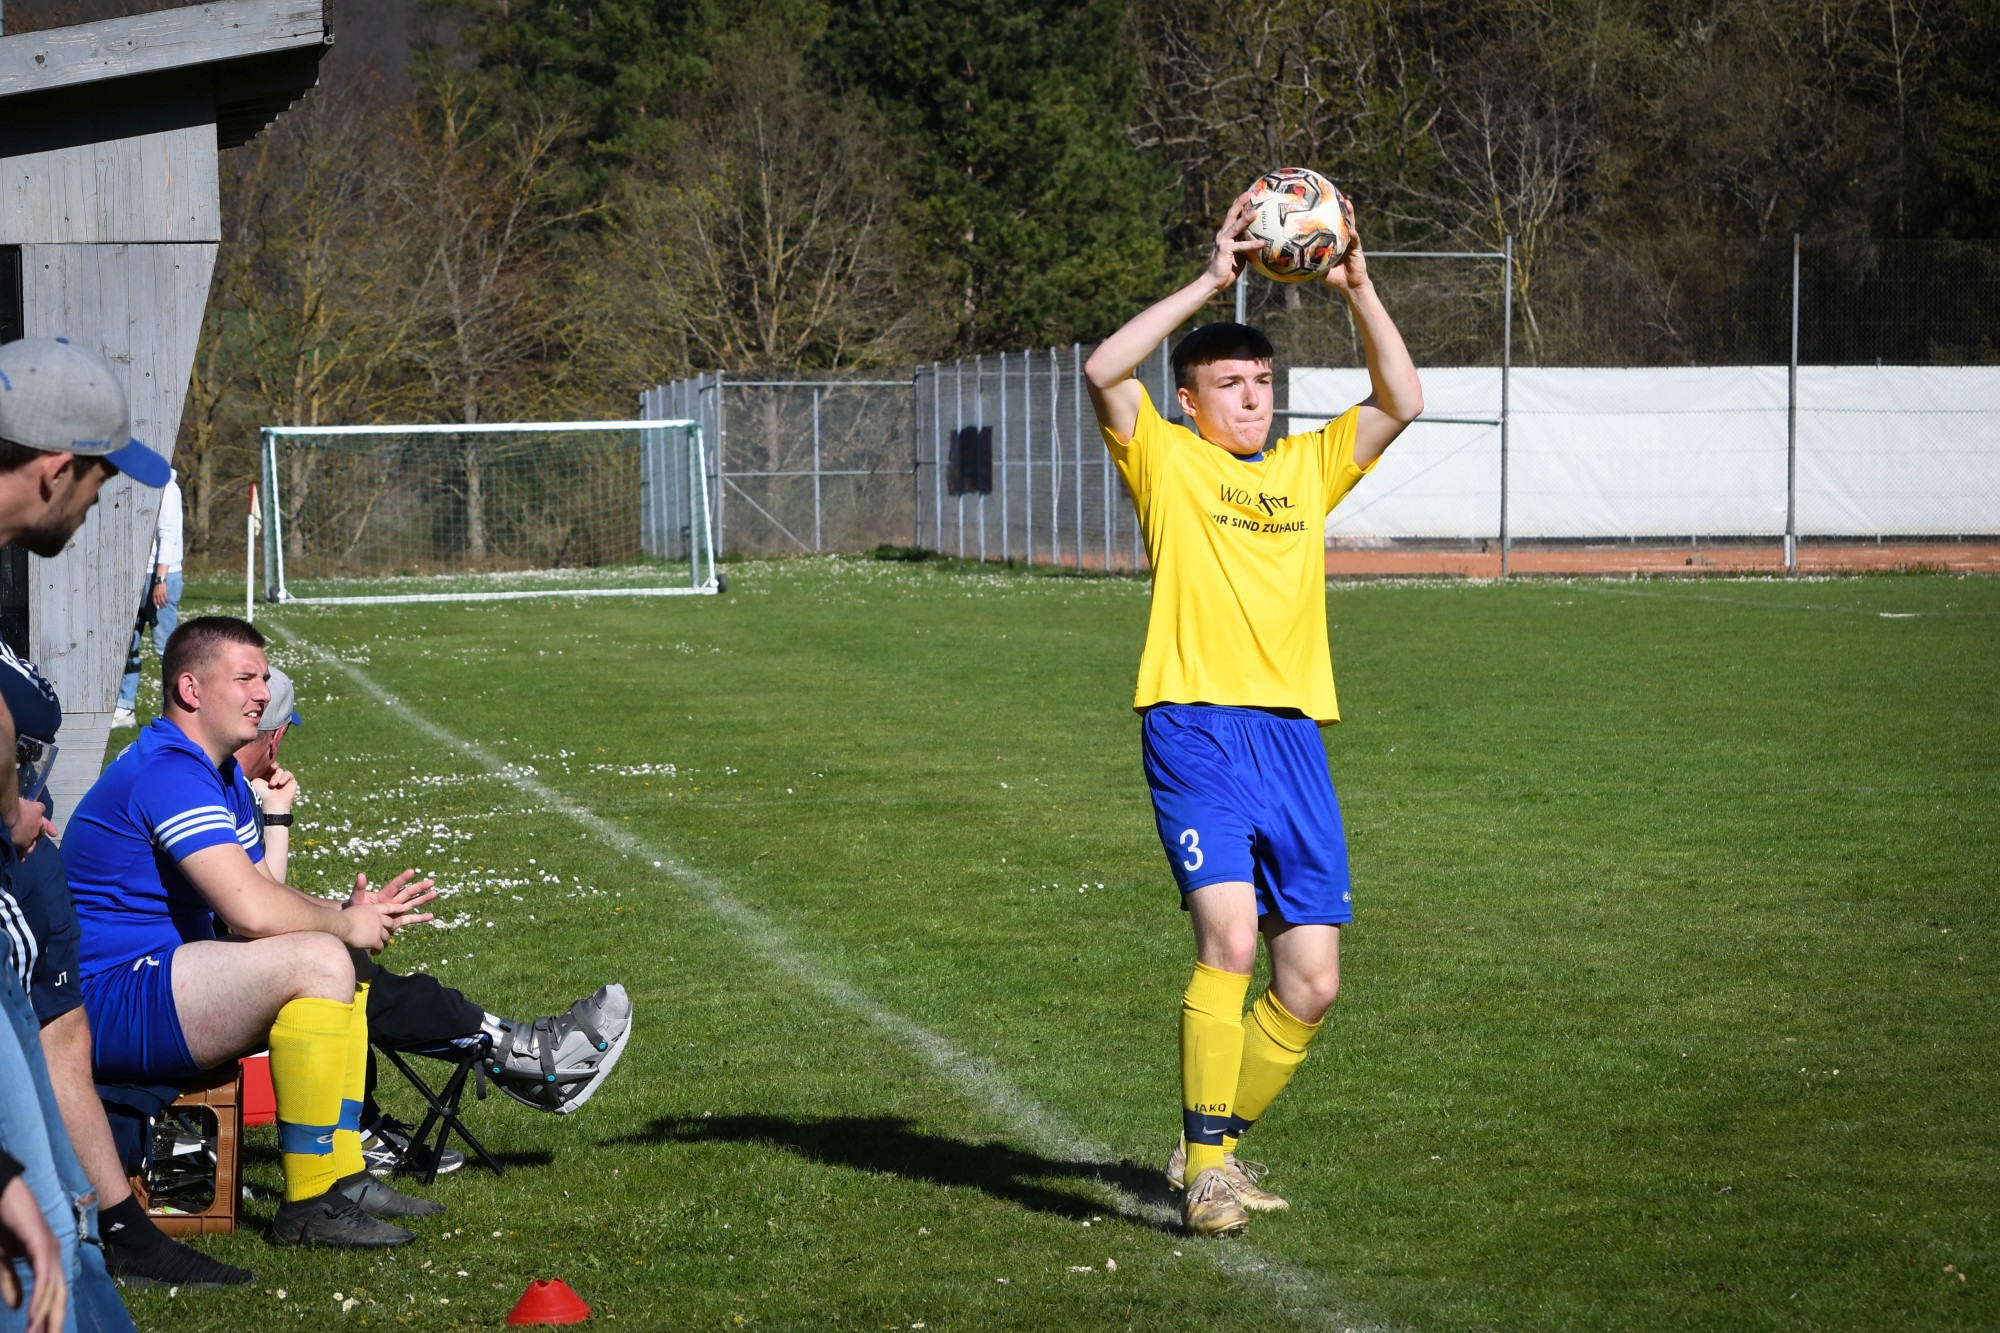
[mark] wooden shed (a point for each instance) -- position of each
(109, 221)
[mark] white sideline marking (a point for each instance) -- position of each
(508, 595)
(1294, 1293)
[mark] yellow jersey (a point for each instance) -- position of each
(1238, 549)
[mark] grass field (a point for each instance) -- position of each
(1670, 1003)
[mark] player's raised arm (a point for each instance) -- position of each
(1113, 392)
(1397, 396)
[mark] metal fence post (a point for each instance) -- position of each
(979, 423)
(1076, 409)
(1792, 428)
(721, 488)
(1055, 458)
(1506, 372)
(1004, 543)
(1028, 452)
(959, 419)
(916, 459)
(816, 492)
(937, 453)
(1103, 497)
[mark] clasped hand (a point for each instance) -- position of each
(379, 913)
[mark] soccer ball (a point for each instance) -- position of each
(1306, 225)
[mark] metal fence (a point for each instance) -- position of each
(998, 457)
(800, 466)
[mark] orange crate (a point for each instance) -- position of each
(219, 1093)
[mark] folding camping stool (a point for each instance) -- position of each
(443, 1113)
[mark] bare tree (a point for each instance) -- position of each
(772, 244)
(308, 277)
(476, 197)
(1515, 162)
(1231, 92)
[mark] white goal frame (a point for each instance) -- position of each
(703, 578)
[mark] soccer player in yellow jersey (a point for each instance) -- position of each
(1235, 682)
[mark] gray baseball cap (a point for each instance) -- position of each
(62, 399)
(283, 709)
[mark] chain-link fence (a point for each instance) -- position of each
(801, 465)
(1010, 465)
(1828, 390)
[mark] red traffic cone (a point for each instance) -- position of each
(549, 1301)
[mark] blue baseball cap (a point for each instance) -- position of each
(62, 399)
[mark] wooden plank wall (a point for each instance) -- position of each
(118, 245)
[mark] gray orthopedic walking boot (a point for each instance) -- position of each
(556, 1063)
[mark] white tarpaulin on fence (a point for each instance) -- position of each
(1677, 452)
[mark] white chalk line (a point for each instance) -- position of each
(1294, 1293)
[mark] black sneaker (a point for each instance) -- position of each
(333, 1219)
(168, 1263)
(378, 1200)
(387, 1147)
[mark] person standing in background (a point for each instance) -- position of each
(162, 605)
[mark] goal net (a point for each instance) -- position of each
(434, 513)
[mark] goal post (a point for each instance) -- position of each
(491, 512)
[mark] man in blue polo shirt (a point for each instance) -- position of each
(163, 847)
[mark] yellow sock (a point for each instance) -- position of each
(309, 1042)
(347, 1158)
(1274, 1046)
(1211, 1055)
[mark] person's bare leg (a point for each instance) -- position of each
(1305, 967)
(66, 1047)
(227, 992)
(1225, 926)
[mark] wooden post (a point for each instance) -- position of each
(109, 189)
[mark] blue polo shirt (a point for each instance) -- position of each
(159, 802)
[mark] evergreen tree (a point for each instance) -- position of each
(1046, 223)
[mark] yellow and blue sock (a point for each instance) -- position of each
(1211, 1059)
(309, 1041)
(347, 1158)
(1274, 1046)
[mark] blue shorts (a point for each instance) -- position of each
(135, 1031)
(1242, 795)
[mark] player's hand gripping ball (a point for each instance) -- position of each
(1306, 225)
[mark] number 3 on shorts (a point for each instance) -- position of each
(1192, 841)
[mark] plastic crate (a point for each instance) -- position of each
(191, 1188)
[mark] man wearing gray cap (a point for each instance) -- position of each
(64, 430)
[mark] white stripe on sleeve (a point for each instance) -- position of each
(170, 827)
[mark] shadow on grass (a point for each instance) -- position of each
(890, 1144)
(266, 1155)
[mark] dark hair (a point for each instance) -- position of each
(195, 643)
(15, 456)
(1219, 342)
